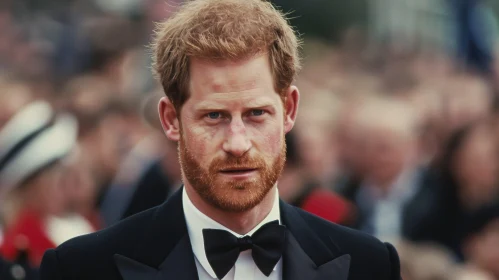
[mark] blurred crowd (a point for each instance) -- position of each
(400, 143)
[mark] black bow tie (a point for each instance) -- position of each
(267, 245)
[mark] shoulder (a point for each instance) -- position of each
(368, 254)
(92, 253)
(115, 237)
(345, 238)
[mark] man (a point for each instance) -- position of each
(32, 159)
(396, 184)
(226, 67)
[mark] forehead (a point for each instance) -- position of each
(253, 74)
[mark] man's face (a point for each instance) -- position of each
(388, 152)
(231, 132)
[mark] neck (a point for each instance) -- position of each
(384, 185)
(387, 183)
(239, 222)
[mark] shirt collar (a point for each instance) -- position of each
(197, 221)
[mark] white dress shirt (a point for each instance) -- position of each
(244, 268)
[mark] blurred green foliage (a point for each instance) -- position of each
(325, 19)
(495, 5)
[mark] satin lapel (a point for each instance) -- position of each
(133, 270)
(336, 269)
(165, 251)
(180, 262)
(306, 256)
(297, 265)
(178, 265)
(163, 233)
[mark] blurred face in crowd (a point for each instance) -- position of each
(351, 143)
(317, 148)
(77, 183)
(468, 99)
(476, 163)
(482, 249)
(388, 152)
(231, 131)
(105, 144)
(44, 193)
(102, 132)
(317, 153)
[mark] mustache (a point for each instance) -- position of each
(231, 162)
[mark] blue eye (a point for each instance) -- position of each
(257, 112)
(213, 115)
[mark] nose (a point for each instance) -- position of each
(237, 142)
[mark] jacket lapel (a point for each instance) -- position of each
(165, 251)
(178, 265)
(180, 262)
(306, 256)
(133, 270)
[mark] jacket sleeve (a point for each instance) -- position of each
(49, 269)
(394, 262)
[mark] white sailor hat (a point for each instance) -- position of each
(33, 139)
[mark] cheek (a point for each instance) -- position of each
(202, 144)
(268, 141)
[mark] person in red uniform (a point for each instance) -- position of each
(31, 150)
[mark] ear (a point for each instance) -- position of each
(169, 119)
(291, 107)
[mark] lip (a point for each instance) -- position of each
(239, 173)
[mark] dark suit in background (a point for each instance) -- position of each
(152, 189)
(415, 211)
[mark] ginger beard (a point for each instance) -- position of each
(232, 195)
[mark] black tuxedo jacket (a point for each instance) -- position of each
(154, 245)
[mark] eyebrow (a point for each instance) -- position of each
(210, 105)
